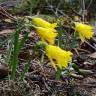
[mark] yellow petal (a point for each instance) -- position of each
(48, 35)
(82, 37)
(54, 25)
(52, 62)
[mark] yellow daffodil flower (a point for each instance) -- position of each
(46, 34)
(85, 31)
(61, 57)
(42, 23)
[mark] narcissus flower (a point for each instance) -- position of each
(47, 34)
(85, 31)
(61, 57)
(42, 23)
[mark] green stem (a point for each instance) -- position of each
(60, 37)
(58, 73)
(42, 58)
(27, 65)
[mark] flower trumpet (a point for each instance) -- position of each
(47, 34)
(43, 23)
(61, 57)
(85, 31)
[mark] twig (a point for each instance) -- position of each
(4, 12)
(89, 85)
(90, 45)
(75, 12)
(79, 49)
(94, 39)
(75, 49)
(77, 76)
(83, 9)
(89, 4)
(52, 8)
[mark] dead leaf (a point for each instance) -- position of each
(93, 55)
(6, 32)
(76, 76)
(86, 72)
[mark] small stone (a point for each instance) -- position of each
(4, 70)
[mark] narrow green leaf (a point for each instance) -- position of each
(26, 67)
(15, 54)
(60, 36)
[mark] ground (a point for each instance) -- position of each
(40, 78)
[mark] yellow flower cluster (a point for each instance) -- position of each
(45, 30)
(48, 33)
(85, 31)
(61, 57)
